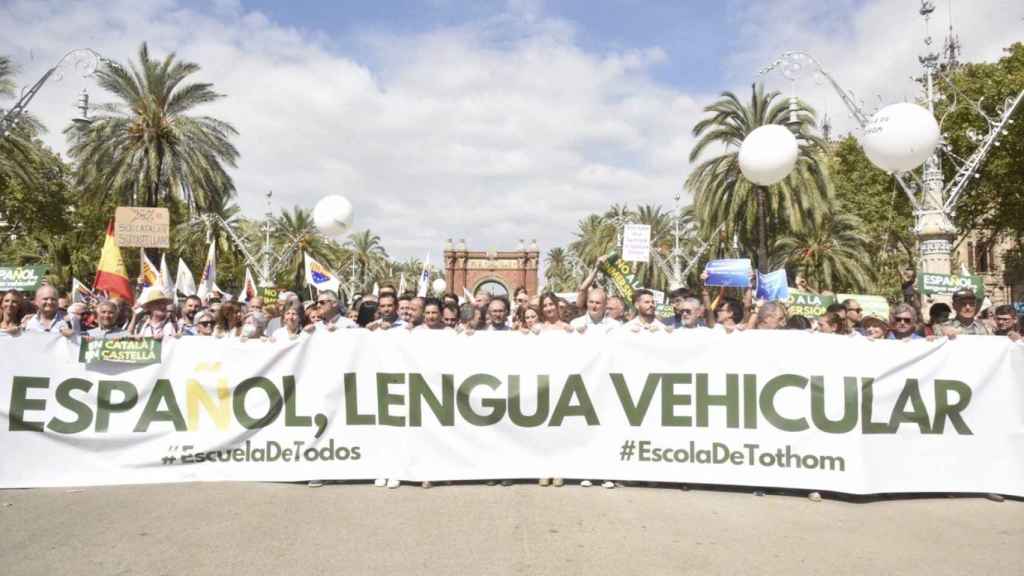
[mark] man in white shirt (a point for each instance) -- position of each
(596, 319)
(330, 315)
(106, 320)
(157, 323)
(48, 317)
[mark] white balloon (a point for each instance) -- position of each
(768, 154)
(900, 137)
(333, 215)
(439, 285)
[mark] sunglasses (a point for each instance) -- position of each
(207, 323)
(857, 310)
(325, 302)
(900, 320)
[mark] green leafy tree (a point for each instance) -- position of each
(755, 215)
(297, 229)
(147, 147)
(558, 273)
(370, 256)
(831, 252)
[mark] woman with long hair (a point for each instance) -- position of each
(12, 310)
(551, 317)
(229, 321)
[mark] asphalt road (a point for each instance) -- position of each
(261, 528)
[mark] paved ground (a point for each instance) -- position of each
(243, 528)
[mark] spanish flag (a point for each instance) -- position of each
(111, 275)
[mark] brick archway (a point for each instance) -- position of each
(469, 269)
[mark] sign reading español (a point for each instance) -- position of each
(142, 227)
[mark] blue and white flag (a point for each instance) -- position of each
(731, 272)
(772, 286)
(318, 276)
(424, 283)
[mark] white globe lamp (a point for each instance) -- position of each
(439, 285)
(900, 137)
(768, 154)
(333, 215)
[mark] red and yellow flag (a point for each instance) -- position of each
(111, 275)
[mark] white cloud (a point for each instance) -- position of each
(494, 131)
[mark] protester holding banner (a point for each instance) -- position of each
(205, 320)
(550, 314)
(154, 321)
(1006, 322)
(770, 316)
(596, 318)
(903, 322)
(645, 320)
(854, 315)
(12, 310)
(229, 321)
(107, 327)
(874, 328)
(728, 315)
(432, 319)
(965, 303)
(48, 316)
(330, 315)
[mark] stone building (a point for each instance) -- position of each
(491, 271)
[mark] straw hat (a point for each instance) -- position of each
(153, 295)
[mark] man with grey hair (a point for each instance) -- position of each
(691, 314)
(107, 327)
(966, 322)
(903, 323)
(770, 316)
(330, 315)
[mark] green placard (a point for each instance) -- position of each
(945, 284)
(807, 304)
(621, 275)
(21, 278)
(128, 351)
(664, 311)
(269, 294)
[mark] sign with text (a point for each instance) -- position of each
(731, 272)
(21, 278)
(807, 304)
(772, 286)
(142, 227)
(636, 243)
(946, 284)
(621, 275)
(122, 351)
(779, 408)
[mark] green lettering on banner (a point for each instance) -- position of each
(139, 351)
(617, 270)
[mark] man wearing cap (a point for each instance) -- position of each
(157, 323)
(965, 303)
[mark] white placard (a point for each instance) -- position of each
(636, 243)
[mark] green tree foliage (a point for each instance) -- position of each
(995, 201)
(558, 274)
(755, 215)
(147, 148)
(830, 252)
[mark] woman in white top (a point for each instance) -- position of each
(291, 325)
(12, 310)
(550, 314)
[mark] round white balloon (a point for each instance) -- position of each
(333, 215)
(768, 154)
(439, 285)
(900, 137)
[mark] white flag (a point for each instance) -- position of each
(401, 285)
(166, 281)
(185, 283)
(424, 283)
(248, 287)
(318, 276)
(208, 282)
(376, 289)
(468, 295)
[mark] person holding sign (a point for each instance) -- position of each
(965, 303)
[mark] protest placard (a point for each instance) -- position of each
(140, 351)
(807, 304)
(21, 278)
(731, 272)
(931, 284)
(636, 243)
(142, 227)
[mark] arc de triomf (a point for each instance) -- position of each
(490, 270)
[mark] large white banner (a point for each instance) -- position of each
(772, 409)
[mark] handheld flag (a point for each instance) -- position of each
(166, 280)
(424, 284)
(318, 276)
(79, 293)
(149, 276)
(248, 287)
(401, 285)
(467, 294)
(185, 283)
(111, 275)
(208, 282)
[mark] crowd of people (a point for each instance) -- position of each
(157, 315)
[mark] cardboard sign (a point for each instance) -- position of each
(636, 243)
(21, 278)
(732, 272)
(142, 227)
(127, 351)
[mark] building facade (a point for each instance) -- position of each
(490, 270)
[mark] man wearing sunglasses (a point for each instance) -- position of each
(854, 315)
(965, 303)
(903, 323)
(330, 315)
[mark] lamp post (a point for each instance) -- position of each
(85, 59)
(933, 200)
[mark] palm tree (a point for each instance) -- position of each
(146, 148)
(558, 274)
(756, 214)
(195, 234)
(18, 152)
(296, 228)
(831, 253)
(651, 274)
(369, 254)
